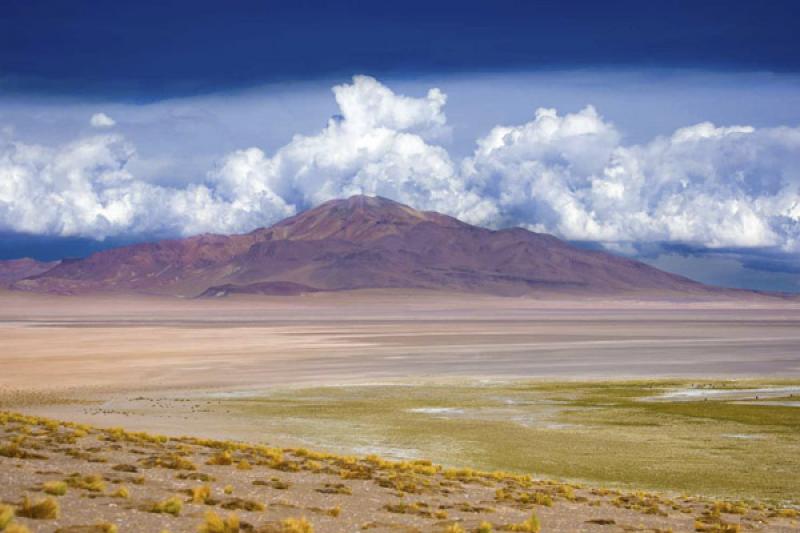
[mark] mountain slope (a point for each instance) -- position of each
(16, 269)
(361, 242)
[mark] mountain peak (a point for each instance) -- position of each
(357, 218)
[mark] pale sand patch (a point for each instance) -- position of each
(126, 343)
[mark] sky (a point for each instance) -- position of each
(667, 131)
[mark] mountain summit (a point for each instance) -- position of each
(357, 243)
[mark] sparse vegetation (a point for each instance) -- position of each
(531, 525)
(200, 494)
(92, 483)
(416, 491)
(213, 523)
(121, 492)
(55, 488)
(223, 458)
(173, 506)
(241, 504)
(296, 525)
(6, 516)
(44, 509)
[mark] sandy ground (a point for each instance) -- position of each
(50, 343)
(113, 477)
(92, 347)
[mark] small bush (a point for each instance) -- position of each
(454, 528)
(484, 527)
(13, 451)
(92, 483)
(6, 516)
(214, 524)
(200, 494)
(296, 525)
(46, 509)
(531, 525)
(244, 465)
(542, 498)
(122, 492)
(227, 489)
(172, 506)
(221, 459)
(56, 488)
(16, 528)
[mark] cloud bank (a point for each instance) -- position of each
(568, 174)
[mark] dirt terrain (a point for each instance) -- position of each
(59, 355)
(104, 480)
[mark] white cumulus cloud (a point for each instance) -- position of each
(569, 174)
(101, 120)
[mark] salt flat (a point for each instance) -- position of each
(60, 342)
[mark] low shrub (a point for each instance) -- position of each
(45, 509)
(55, 488)
(172, 506)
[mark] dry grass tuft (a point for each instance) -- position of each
(55, 488)
(214, 524)
(484, 527)
(6, 516)
(13, 451)
(531, 525)
(200, 494)
(100, 527)
(121, 492)
(16, 528)
(92, 483)
(173, 506)
(296, 525)
(221, 459)
(46, 509)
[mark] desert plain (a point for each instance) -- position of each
(412, 411)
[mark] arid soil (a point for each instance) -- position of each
(55, 343)
(101, 479)
(55, 347)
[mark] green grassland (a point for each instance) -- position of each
(605, 433)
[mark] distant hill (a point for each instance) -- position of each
(17, 269)
(364, 242)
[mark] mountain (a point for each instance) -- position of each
(362, 242)
(17, 269)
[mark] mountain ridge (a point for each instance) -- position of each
(364, 242)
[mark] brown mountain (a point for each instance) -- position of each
(363, 242)
(16, 269)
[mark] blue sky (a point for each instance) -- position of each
(667, 131)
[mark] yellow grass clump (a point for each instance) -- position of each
(6, 516)
(92, 483)
(223, 458)
(454, 528)
(484, 527)
(122, 492)
(46, 509)
(214, 524)
(244, 465)
(172, 506)
(296, 525)
(531, 525)
(56, 488)
(542, 498)
(16, 528)
(200, 494)
(227, 489)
